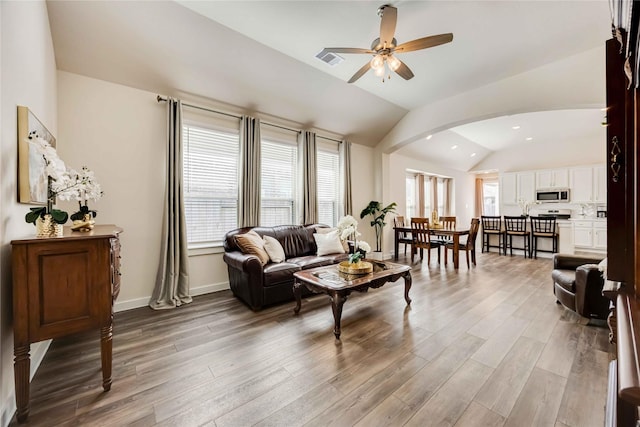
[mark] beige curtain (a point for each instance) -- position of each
(345, 168)
(479, 197)
(308, 210)
(172, 281)
(448, 195)
(249, 173)
(420, 189)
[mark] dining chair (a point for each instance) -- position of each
(516, 226)
(492, 226)
(421, 239)
(404, 237)
(545, 228)
(468, 245)
(448, 223)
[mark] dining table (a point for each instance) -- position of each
(435, 231)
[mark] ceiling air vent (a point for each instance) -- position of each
(330, 58)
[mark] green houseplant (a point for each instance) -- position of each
(377, 212)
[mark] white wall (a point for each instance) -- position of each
(28, 77)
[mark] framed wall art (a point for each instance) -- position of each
(32, 176)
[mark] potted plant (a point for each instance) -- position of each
(378, 213)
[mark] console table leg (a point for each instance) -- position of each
(407, 286)
(297, 293)
(21, 367)
(106, 351)
(337, 301)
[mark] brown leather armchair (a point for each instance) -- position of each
(577, 284)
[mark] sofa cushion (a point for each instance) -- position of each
(274, 249)
(311, 261)
(279, 272)
(251, 243)
(566, 279)
(326, 230)
(328, 243)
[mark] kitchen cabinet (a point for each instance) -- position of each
(588, 184)
(552, 178)
(581, 180)
(516, 186)
(565, 237)
(590, 235)
(600, 184)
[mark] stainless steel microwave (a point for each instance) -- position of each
(552, 195)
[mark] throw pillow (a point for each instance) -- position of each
(274, 249)
(326, 230)
(602, 266)
(328, 243)
(251, 243)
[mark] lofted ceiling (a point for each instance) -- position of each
(260, 57)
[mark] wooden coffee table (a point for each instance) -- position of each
(338, 286)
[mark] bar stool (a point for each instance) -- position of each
(516, 226)
(492, 226)
(543, 227)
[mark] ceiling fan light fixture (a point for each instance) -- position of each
(377, 62)
(379, 71)
(394, 63)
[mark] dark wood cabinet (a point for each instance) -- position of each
(62, 286)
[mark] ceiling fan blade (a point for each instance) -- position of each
(388, 25)
(424, 43)
(404, 71)
(360, 72)
(345, 50)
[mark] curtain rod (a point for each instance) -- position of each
(197, 107)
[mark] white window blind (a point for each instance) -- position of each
(410, 195)
(328, 163)
(278, 180)
(210, 183)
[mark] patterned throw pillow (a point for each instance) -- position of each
(252, 244)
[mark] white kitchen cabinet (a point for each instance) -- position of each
(552, 178)
(600, 235)
(526, 186)
(600, 184)
(581, 182)
(590, 235)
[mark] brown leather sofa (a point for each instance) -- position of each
(257, 285)
(577, 284)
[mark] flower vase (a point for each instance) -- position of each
(47, 227)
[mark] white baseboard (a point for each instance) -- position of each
(37, 355)
(144, 301)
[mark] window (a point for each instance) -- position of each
(278, 181)
(441, 198)
(328, 162)
(491, 202)
(210, 183)
(427, 198)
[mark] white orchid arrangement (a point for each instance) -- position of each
(525, 206)
(63, 183)
(348, 229)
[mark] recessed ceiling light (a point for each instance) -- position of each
(429, 137)
(473, 154)
(529, 138)
(516, 127)
(453, 147)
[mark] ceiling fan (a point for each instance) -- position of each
(384, 47)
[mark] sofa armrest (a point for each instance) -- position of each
(247, 263)
(589, 298)
(571, 262)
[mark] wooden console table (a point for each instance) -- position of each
(61, 286)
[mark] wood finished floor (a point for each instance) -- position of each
(485, 346)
